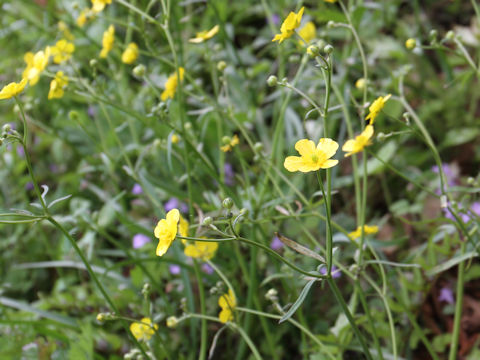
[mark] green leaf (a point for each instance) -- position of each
(460, 136)
(298, 302)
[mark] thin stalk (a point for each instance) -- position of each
(201, 294)
(329, 239)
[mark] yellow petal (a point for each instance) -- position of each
(163, 246)
(225, 315)
(192, 251)
(293, 163)
(329, 163)
(305, 147)
(349, 145)
(368, 132)
(328, 146)
(173, 215)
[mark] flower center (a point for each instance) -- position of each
(315, 158)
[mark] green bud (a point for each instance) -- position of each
(226, 140)
(139, 70)
(381, 136)
(16, 109)
(188, 126)
(450, 35)
(331, 24)
(73, 115)
(221, 66)
(272, 80)
(93, 63)
(433, 34)
(146, 289)
(227, 203)
(471, 181)
(258, 146)
(207, 221)
(244, 211)
(313, 51)
(328, 49)
(6, 128)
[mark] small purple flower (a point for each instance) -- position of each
(174, 203)
(140, 240)
(174, 269)
(276, 243)
(275, 19)
(446, 294)
(336, 273)
(206, 268)
(451, 174)
(465, 215)
(91, 111)
(229, 174)
(29, 186)
(20, 151)
(137, 189)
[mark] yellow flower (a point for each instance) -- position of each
(331, 1)
(228, 303)
(36, 63)
(204, 250)
(62, 51)
(172, 84)
(410, 44)
(366, 230)
(12, 89)
(166, 231)
(130, 55)
(143, 330)
(83, 17)
(107, 41)
(289, 25)
(99, 5)
(175, 139)
(205, 35)
(183, 228)
(356, 145)
(312, 158)
(376, 107)
(233, 142)
(57, 85)
(307, 33)
(65, 30)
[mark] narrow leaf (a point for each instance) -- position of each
(299, 248)
(298, 302)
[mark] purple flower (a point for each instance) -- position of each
(336, 273)
(229, 174)
(29, 186)
(53, 168)
(276, 243)
(140, 240)
(451, 174)
(275, 19)
(91, 111)
(174, 269)
(206, 268)
(137, 189)
(20, 151)
(174, 203)
(465, 215)
(446, 294)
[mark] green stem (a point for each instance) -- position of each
(350, 318)
(201, 294)
(458, 307)
(329, 239)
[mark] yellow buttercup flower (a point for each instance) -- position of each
(331, 1)
(289, 25)
(130, 55)
(166, 231)
(228, 303)
(205, 35)
(12, 89)
(183, 228)
(172, 84)
(307, 33)
(356, 145)
(62, 51)
(99, 5)
(175, 139)
(82, 18)
(36, 63)
(143, 330)
(107, 41)
(204, 250)
(312, 158)
(367, 230)
(376, 107)
(57, 85)
(229, 146)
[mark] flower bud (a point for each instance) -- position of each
(175, 139)
(172, 321)
(328, 49)
(433, 34)
(157, 143)
(93, 63)
(101, 317)
(258, 146)
(360, 84)
(272, 80)
(471, 181)
(271, 295)
(243, 211)
(139, 70)
(410, 43)
(381, 136)
(330, 24)
(226, 140)
(450, 35)
(227, 203)
(73, 115)
(221, 66)
(313, 51)
(207, 221)
(146, 289)
(6, 128)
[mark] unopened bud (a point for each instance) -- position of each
(93, 63)
(139, 70)
(381, 136)
(450, 35)
(6, 128)
(258, 146)
(243, 211)
(73, 115)
(330, 24)
(328, 49)
(360, 84)
(207, 221)
(227, 203)
(221, 66)
(410, 43)
(272, 80)
(313, 51)
(226, 140)
(172, 321)
(471, 181)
